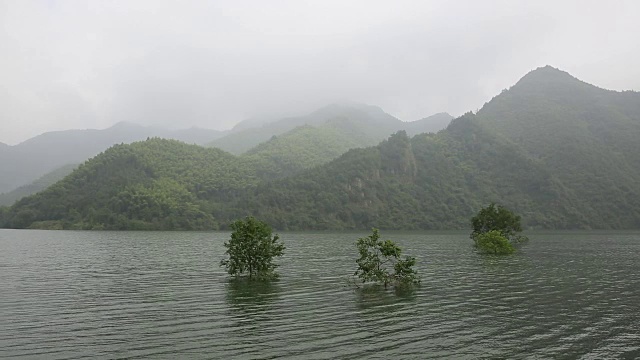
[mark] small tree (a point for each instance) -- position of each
(496, 229)
(378, 257)
(251, 250)
(493, 242)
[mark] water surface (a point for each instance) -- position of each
(162, 295)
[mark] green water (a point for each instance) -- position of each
(162, 295)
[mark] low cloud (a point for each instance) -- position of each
(67, 64)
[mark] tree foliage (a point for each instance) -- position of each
(251, 250)
(496, 229)
(498, 218)
(493, 242)
(380, 262)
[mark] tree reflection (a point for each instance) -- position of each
(251, 296)
(378, 299)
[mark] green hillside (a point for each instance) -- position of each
(23, 163)
(370, 120)
(155, 184)
(428, 182)
(588, 137)
(308, 146)
(560, 152)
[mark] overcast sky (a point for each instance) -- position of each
(89, 64)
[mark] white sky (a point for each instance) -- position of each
(89, 64)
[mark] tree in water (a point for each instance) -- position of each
(251, 250)
(378, 258)
(496, 229)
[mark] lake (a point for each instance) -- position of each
(162, 295)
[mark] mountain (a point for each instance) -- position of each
(40, 184)
(561, 153)
(372, 119)
(154, 184)
(27, 161)
(427, 182)
(586, 136)
(431, 124)
(302, 148)
(308, 146)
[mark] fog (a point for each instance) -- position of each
(73, 64)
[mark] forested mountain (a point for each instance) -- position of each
(370, 120)
(31, 159)
(428, 182)
(301, 148)
(158, 183)
(588, 137)
(560, 152)
(40, 184)
(311, 145)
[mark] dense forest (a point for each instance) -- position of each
(562, 153)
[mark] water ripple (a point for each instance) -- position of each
(121, 295)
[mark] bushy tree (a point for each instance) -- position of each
(251, 250)
(378, 258)
(493, 242)
(496, 229)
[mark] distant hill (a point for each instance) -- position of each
(371, 119)
(431, 124)
(561, 153)
(40, 184)
(308, 146)
(27, 161)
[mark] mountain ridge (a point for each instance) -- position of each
(560, 153)
(241, 141)
(23, 163)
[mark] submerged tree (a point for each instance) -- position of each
(251, 250)
(493, 242)
(496, 229)
(378, 258)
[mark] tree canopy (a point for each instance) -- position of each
(251, 250)
(380, 261)
(496, 229)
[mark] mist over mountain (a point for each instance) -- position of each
(371, 119)
(38, 185)
(561, 152)
(430, 124)
(23, 163)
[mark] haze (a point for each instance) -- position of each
(71, 64)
